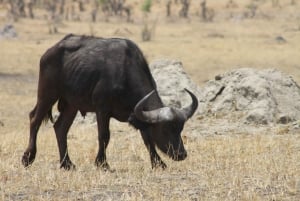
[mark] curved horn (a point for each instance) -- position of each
(191, 109)
(153, 116)
(165, 113)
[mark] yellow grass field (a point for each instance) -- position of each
(221, 165)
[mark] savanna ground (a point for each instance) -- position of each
(232, 164)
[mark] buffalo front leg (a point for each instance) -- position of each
(103, 139)
(156, 161)
(36, 117)
(61, 128)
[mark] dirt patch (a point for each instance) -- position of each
(17, 76)
(14, 83)
(9, 75)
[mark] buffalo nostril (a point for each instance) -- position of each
(180, 156)
(184, 155)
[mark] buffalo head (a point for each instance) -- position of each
(166, 124)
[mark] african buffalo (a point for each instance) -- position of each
(111, 78)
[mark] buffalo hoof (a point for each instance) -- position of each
(104, 166)
(159, 164)
(28, 158)
(67, 165)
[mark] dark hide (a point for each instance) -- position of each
(105, 76)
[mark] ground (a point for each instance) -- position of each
(226, 160)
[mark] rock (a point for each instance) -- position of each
(280, 40)
(171, 80)
(8, 31)
(262, 96)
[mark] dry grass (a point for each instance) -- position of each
(263, 165)
(244, 167)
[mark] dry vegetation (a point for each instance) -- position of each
(222, 165)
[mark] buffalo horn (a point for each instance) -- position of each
(165, 113)
(190, 110)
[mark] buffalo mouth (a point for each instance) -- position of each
(177, 155)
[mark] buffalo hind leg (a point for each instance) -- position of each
(36, 117)
(61, 127)
(103, 138)
(156, 161)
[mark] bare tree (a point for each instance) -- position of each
(21, 8)
(62, 7)
(148, 32)
(16, 9)
(127, 10)
(69, 9)
(11, 11)
(168, 6)
(185, 8)
(203, 10)
(207, 14)
(252, 8)
(30, 4)
(81, 6)
(95, 10)
(116, 8)
(54, 17)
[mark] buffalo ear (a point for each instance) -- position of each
(137, 124)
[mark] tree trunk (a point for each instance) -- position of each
(185, 8)
(30, 9)
(169, 4)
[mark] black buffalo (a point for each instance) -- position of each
(111, 78)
